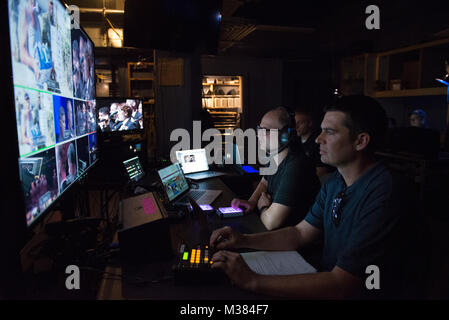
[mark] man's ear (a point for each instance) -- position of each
(362, 141)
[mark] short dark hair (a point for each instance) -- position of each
(104, 110)
(363, 114)
(127, 110)
(304, 111)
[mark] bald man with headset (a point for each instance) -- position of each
(283, 198)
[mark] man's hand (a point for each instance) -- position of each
(225, 238)
(235, 268)
(265, 200)
(247, 205)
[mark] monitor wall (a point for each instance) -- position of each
(54, 101)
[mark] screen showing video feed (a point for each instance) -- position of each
(67, 164)
(40, 45)
(82, 147)
(119, 114)
(54, 96)
(64, 119)
(39, 182)
(83, 66)
(93, 149)
(86, 121)
(35, 121)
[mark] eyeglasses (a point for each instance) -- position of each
(337, 205)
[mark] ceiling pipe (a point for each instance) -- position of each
(101, 11)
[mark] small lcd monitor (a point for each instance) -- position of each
(119, 114)
(134, 169)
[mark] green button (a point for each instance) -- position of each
(185, 256)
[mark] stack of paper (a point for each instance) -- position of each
(277, 262)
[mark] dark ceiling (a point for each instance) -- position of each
(302, 29)
(305, 29)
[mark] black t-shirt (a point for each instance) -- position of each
(295, 184)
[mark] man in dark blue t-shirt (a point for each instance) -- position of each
(351, 212)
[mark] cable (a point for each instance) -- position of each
(113, 29)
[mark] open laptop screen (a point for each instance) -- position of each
(173, 180)
(192, 160)
(134, 168)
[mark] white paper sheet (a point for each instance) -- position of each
(277, 262)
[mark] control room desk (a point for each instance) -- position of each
(192, 230)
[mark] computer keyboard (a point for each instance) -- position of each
(196, 194)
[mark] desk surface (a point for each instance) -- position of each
(192, 230)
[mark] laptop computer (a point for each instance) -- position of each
(178, 190)
(194, 164)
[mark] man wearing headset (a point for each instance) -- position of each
(283, 198)
(356, 212)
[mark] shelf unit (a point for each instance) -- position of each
(403, 72)
(222, 98)
(411, 71)
(141, 79)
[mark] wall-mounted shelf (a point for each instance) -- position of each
(222, 84)
(410, 92)
(409, 71)
(141, 79)
(225, 109)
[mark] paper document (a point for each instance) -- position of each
(277, 262)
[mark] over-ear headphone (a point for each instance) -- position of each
(287, 133)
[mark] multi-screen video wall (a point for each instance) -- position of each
(54, 92)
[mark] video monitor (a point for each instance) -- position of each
(39, 182)
(86, 121)
(83, 66)
(119, 114)
(54, 99)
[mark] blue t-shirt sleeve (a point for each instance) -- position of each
(369, 239)
(316, 212)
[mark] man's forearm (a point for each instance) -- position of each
(284, 239)
(261, 187)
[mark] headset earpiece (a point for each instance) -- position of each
(288, 131)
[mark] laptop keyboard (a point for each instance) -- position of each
(196, 194)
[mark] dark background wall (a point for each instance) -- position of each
(177, 106)
(261, 83)
(434, 106)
